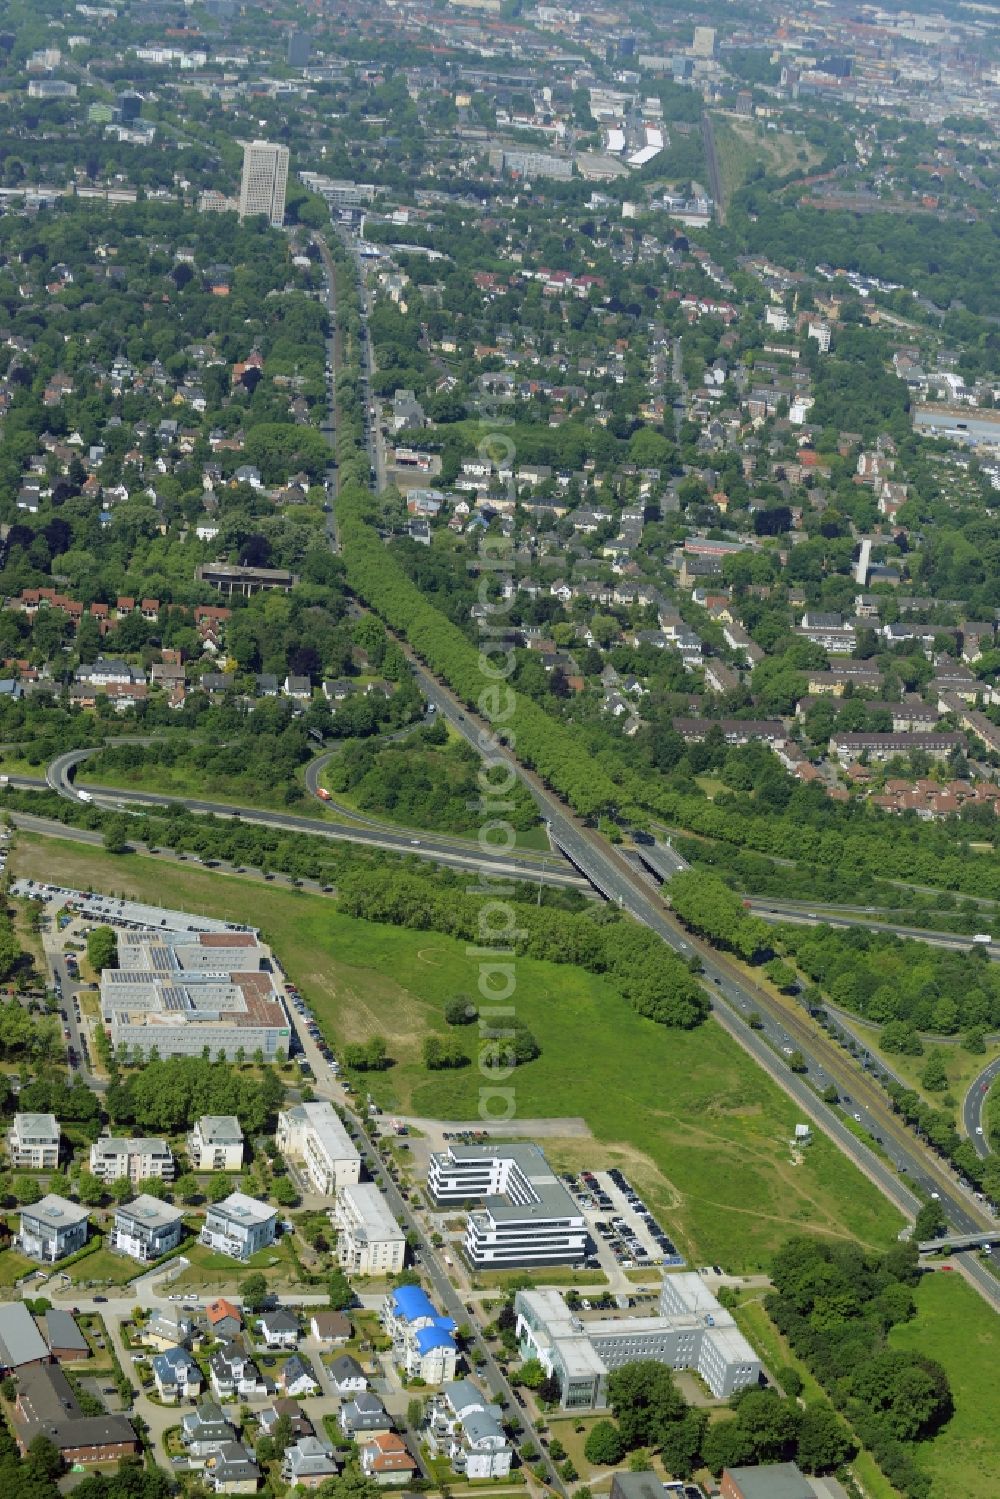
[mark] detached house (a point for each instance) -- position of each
(233, 1374)
(384, 1457)
(177, 1375)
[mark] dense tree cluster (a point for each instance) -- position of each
(165, 1097)
(886, 978)
(706, 905)
(836, 1305)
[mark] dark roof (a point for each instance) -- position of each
(61, 1331)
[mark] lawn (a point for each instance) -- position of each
(703, 1131)
(185, 782)
(961, 1067)
(953, 1327)
(209, 1269)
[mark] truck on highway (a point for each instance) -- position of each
(983, 938)
(322, 793)
(85, 796)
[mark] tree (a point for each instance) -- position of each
(284, 1193)
(415, 1413)
(531, 1373)
(219, 1188)
(122, 1190)
(644, 1400)
(253, 1292)
(604, 1446)
(186, 1187)
(930, 1222)
(934, 1076)
(102, 948)
(339, 1291)
(89, 1189)
(824, 1442)
(44, 1460)
(460, 1010)
(27, 1190)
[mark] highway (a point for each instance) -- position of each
(784, 1029)
(972, 1107)
(774, 911)
(529, 867)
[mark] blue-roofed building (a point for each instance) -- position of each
(423, 1341)
(177, 1375)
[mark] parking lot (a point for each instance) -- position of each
(620, 1222)
(124, 913)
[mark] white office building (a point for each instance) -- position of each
(239, 1226)
(527, 1216)
(313, 1134)
(692, 1331)
(114, 1156)
(216, 1143)
(264, 180)
(369, 1241)
(33, 1142)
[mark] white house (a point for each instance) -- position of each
(215, 1143)
(466, 1429)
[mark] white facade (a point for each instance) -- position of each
(264, 180)
(466, 1429)
(113, 1157)
(313, 1134)
(527, 1216)
(239, 1226)
(33, 1142)
(370, 1241)
(216, 1143)
(146, 1229)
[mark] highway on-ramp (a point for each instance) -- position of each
(972, 1107)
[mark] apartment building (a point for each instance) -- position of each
(146, 1229)
(239, 1226)
(138, 1159)
(692, 1331)
(264, 181)
(313, 1134)
(527, 1216)
(33, 1142)
(52, 1229)
(464, 1427)
(215, 1143)
(423, 1342)
(370, 1241)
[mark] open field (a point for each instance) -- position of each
(698, 1124)
(187, 782)
(951, 1326)
(741, 145)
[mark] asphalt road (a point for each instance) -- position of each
(972, 1107)
(782, 1030)
(59, 777)
(774, 911)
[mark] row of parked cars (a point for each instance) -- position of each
(309, 1021)
(635, 1202)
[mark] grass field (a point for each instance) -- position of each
(186, 782)
(741, 145)
(953, 1327)
(697, 1124)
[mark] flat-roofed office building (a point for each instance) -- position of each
(527, 1216)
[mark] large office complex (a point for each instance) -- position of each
(692, 1331)
(313, 1134)
(265, 177)
(527, 1216)
(370, 1241)
(184, 993)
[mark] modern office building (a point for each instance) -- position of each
(313, 1134)
(423, 1342)
(215, 1143)
(528, 164)
(33, 1142)
(52, 1229)
(527, 1216)
(146, 1229)
(187, 993)
(264, 180)
(115, 1156)
(369, 1241)
(239, 1226)
(692, 1331)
